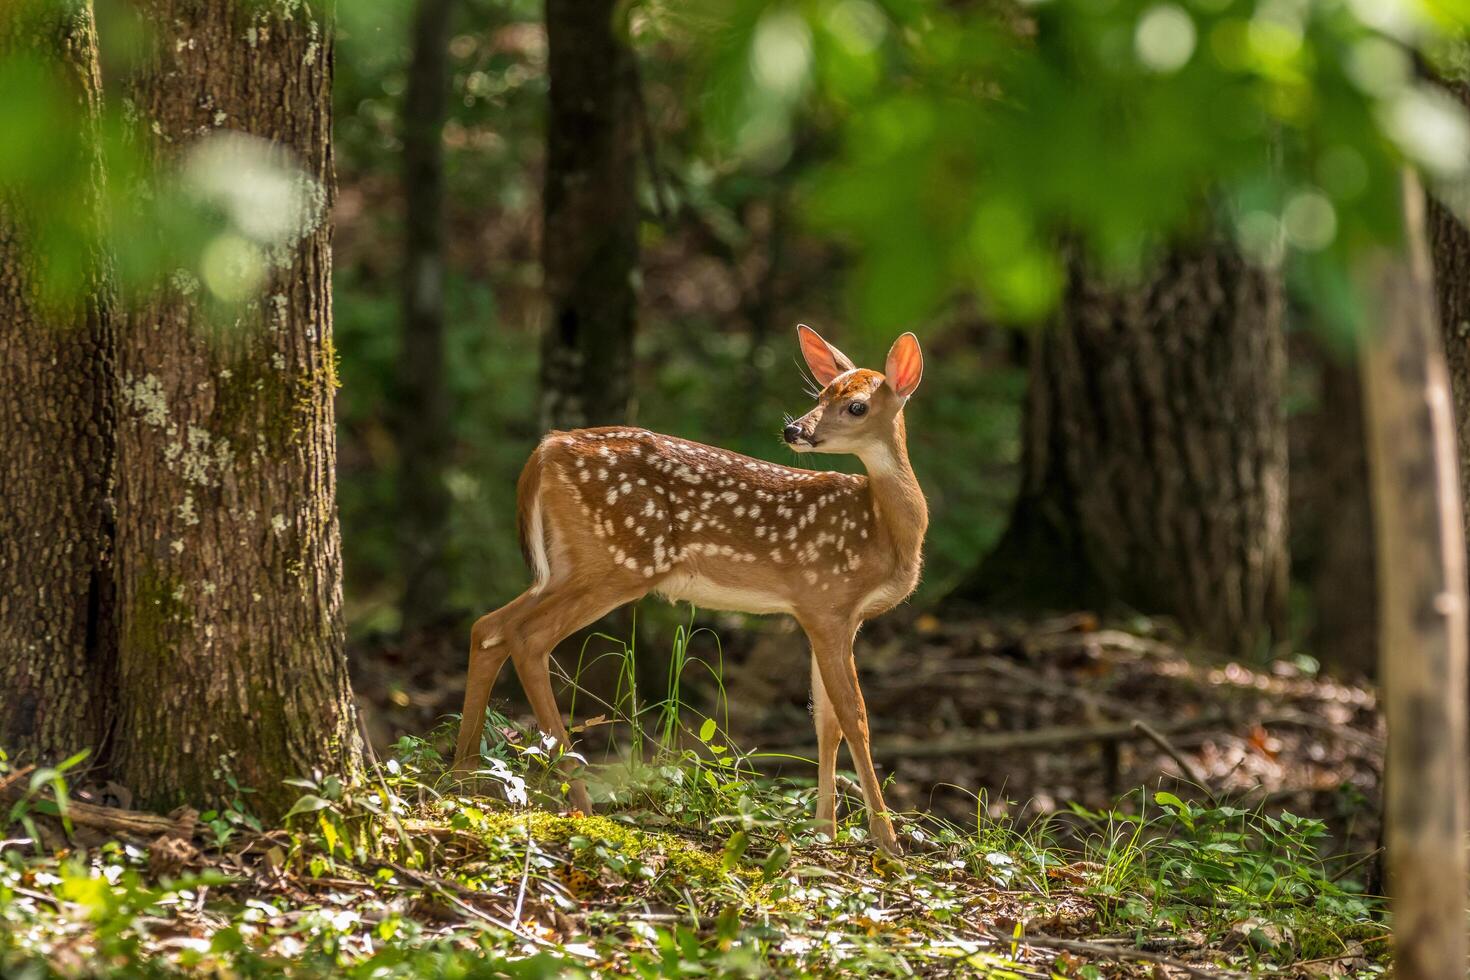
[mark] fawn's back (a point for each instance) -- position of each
(702, 524)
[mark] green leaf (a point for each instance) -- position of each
(73, 760)
(308, 804)
(707, 730)
(1180, 808)
(734, 849)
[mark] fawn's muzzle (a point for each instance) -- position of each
(793, 432)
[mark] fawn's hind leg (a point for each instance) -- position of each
(489, 650)
(559, 613)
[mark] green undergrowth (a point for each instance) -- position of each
(399, 877)
(695, 865)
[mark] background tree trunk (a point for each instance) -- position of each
(590, 246)
(1345, 585)
(1421, 572)
(424, 425)
(1154, 455)
(1332, 514)
(230, 568)
(56, 413)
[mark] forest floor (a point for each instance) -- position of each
(1171, 818)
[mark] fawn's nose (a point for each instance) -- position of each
(793, 432)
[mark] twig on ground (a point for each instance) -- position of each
(1344, 872)
(970, 743)
(448, 889)
(1344, 732)
(132, 822)
(1109, 952)
(525, 877)
(8, 781)
(1059, 688)
(1349, 954)
(1112, 639)
(1185, 769)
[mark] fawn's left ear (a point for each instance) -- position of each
(905, 365)
(826, 362)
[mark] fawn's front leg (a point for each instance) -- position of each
(829, 739)
(832, 650)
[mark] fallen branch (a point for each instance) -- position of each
(1185, 769)
(1110, 639)
(975, 743)
(110, 819)
(1108, 951)
(1346, 733)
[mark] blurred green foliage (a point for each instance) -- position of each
(78, 172)
(929, 156)
(979, 140)
(706, 371)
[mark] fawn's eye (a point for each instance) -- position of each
(857, 408)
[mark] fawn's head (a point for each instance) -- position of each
(858, 410)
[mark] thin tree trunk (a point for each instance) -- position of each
(424, 427)
(57, 649)
(1154, 455)
(230, 566)
(1449, 243)
(1421, 570)
(590, 246)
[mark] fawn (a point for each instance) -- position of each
(609, 515)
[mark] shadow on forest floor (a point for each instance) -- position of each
(701, 864)
(1024, 718)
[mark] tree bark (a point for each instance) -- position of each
(1422, 616)
(57, 645)
(231, 662)
(424, 425)
(1346, 632)
(590, 244)
(1332, 519)
(1450, 252)
(1154, 455)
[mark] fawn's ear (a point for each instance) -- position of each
(826, 361)
(905, 365)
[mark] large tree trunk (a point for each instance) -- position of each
(1421, 572)
(56, 416)
(424, 426)
(230, 566)
(1154, 455)
(590, 247)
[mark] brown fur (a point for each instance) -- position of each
(624, 512)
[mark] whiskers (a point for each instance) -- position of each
(813, 390)
(786, 419)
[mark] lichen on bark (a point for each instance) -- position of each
(247, 550)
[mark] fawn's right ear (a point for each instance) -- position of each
(826, 361)
(905, 365)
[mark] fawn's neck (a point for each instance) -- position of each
(897, 500)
